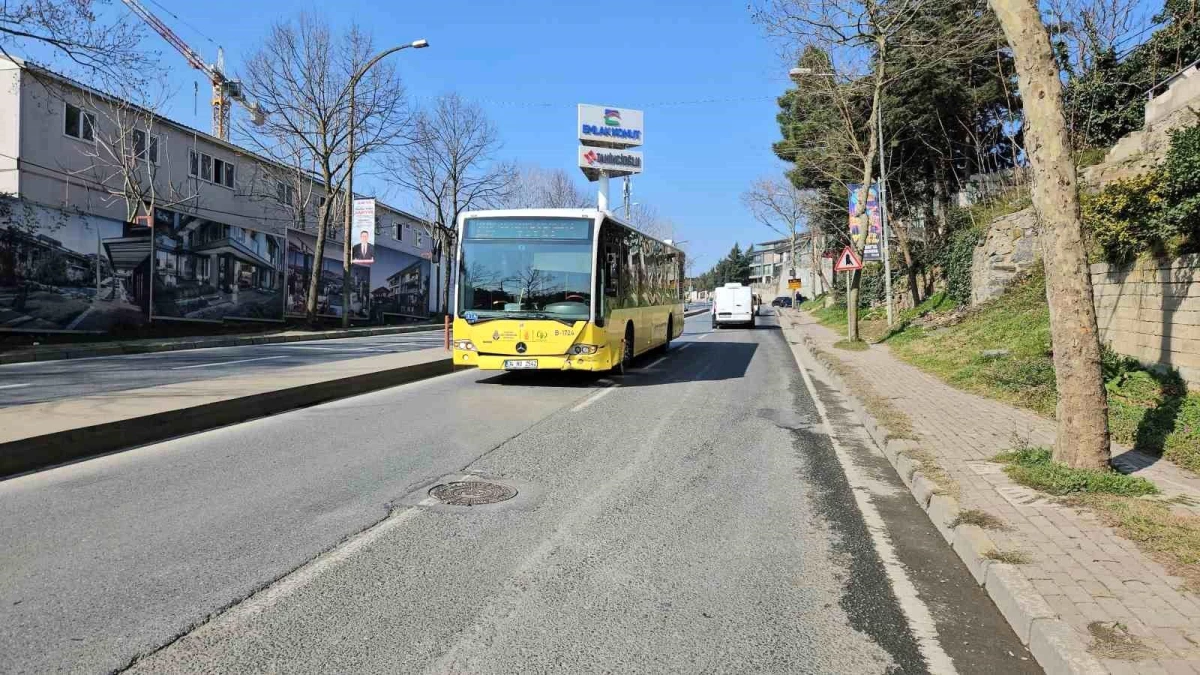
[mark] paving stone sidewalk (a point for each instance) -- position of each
(1085, 571)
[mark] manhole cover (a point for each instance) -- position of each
(471, 493)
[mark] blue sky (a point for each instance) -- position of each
(703, 72)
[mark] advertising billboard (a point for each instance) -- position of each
(206, 270)
(609, 126)
(68, 272)
(362, 232)
(868, 225)
(610, 161)
(396, 284)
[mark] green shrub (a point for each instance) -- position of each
(1123, 218)
(1181, 185)
(1158, 211)
(956, 263)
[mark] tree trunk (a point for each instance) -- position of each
(1082, 412)
(314, 280)
(913, 287)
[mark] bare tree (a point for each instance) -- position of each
(783, 208)
(1082, 440)
(646, 219)
(75, 30)
(126, 157)
(450, 166)
(301, 74)
(534, 187)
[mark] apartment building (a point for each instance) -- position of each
(112, 217)
(770, 265)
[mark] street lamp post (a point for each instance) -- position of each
(346, 245)
(797, 73)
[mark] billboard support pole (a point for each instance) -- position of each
(602, 194)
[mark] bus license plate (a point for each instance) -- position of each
(518, 364)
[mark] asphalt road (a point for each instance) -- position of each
(39, 381)
(689, 516)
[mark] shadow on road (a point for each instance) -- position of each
(703, 361)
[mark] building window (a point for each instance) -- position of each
(397, 232)
(79, 123)
(420, 241)
(286, 194)
(208, 168)
(145, 146)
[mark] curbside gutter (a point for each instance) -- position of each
(40, 452)
(1055, 646)
(80, 351)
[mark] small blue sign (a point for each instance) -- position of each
(470, 317)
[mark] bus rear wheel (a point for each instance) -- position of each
(666, 345)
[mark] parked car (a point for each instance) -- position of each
(782, 301)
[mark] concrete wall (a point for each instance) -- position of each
(1151, 311)
(1183, 90)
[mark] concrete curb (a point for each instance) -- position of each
(61, 352)
(40, 452)
(1055, 646)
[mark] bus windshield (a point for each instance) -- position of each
(530, 268)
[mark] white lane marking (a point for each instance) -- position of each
(683, 346)
(703, 336)
(657, 361)
(227, 363)
(919, 618)
(595, 397)
(14, 386)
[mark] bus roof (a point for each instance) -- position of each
(556, 213)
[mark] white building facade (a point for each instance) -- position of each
(112, 217)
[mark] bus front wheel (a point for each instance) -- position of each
(627, 350)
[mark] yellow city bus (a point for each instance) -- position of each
(562, 289)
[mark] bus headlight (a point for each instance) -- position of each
(464, 345)
(584, 349)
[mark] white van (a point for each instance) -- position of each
(733, 303)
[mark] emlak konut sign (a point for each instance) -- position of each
(607, 126)
(614, 162)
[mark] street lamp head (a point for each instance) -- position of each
(800, 72)
(420, 44)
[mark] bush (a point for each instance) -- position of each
(1158, 211)
(956, 264)
(1181, 185)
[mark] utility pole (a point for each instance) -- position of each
(346, 245)
(883, 215)
(627, 189)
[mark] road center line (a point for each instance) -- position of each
(226, 363)
(919, 619)
(595, 397)
(14, 386)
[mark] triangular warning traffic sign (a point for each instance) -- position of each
(848, 261)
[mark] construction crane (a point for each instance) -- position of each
(224, 90)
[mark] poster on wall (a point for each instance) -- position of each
(209, 271)
(874, 228)
(61, 272)
(395, 285)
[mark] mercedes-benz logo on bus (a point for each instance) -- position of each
(520, 347)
